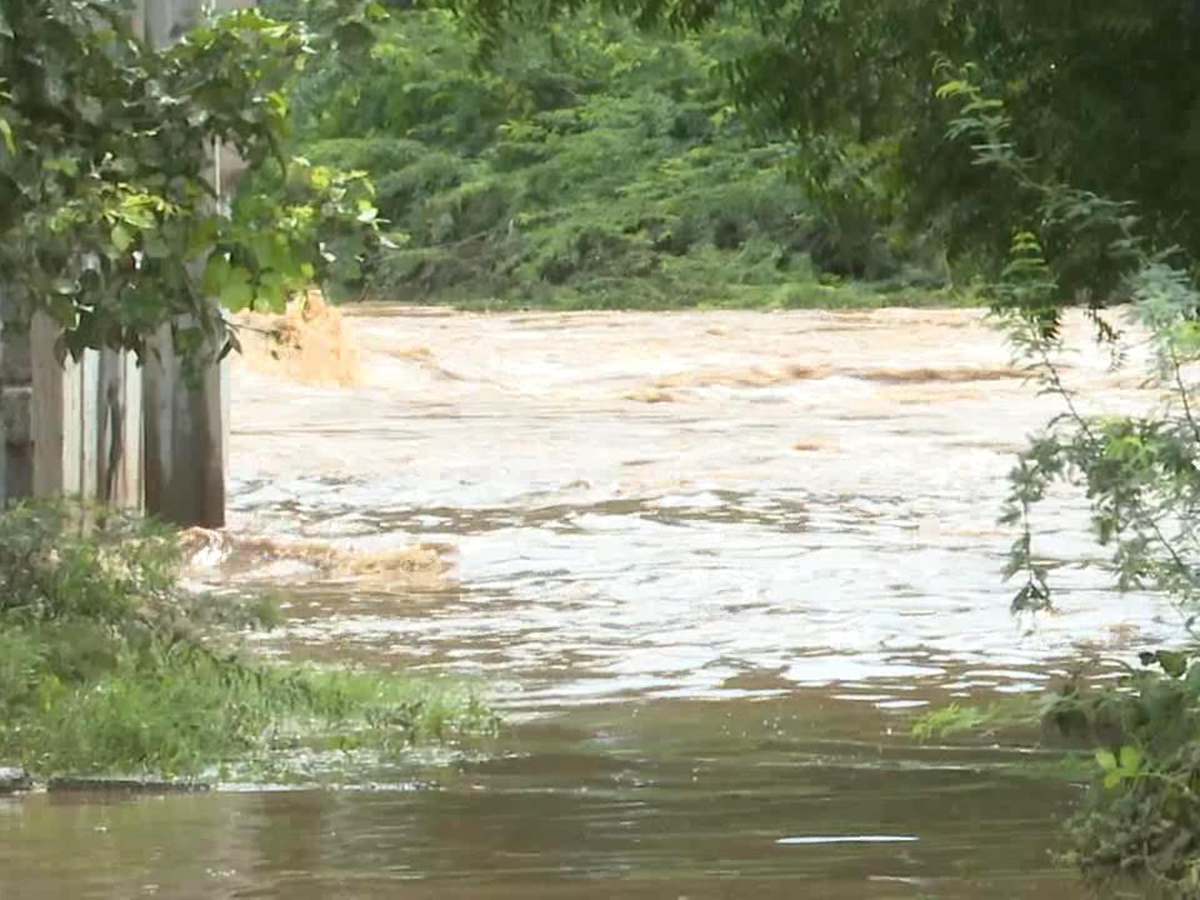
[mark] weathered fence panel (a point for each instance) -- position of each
(86, 422)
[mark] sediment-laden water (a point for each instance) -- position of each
(709, 565)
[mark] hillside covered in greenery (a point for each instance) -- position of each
(591, 164)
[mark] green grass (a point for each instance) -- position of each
(194, 713)
(1022, 712)
(107, 667)
(641, 296)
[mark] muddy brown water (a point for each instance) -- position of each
(709, 566)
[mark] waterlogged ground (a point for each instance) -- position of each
(709, 564)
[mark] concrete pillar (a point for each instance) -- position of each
(120, 467)
(186, 428)
(186, 424)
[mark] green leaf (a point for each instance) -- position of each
(237, 295)
(1193, 678)
(203, 236)
(954, 88)
(237, 291)
(1174, 664)
(367, 213)
(1112, 779)
(272, 293)
(63, 164)
(6, 132)
(216, 274)
(154, 246)
(354, 38)
(1131, 760)
(121, 238)
(1106, 760)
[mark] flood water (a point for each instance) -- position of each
(709, 565)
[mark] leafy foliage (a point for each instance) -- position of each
(1141, 476)
(955, 718)
(108, 219)
(1142, 817)
(1139, 473)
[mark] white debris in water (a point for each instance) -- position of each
(850, 839)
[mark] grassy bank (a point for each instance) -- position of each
(108, 667)
(659, 296)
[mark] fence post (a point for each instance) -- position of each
(3, 429)
(16, 394)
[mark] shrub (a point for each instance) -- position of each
(1141, 477)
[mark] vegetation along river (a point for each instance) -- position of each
(709, 565)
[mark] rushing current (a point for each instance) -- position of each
(708, 566)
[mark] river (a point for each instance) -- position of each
(709, 566)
